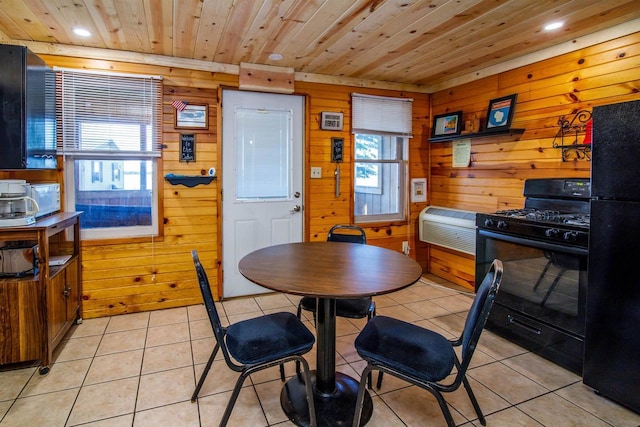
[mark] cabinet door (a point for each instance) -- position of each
(72, 274)
(21, 321)
(56, 305)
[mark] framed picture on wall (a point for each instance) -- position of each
(193, 116)
(448, 124)
(500, 112)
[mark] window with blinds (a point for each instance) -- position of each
(110, 138)
(381, 128)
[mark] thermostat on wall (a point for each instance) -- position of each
(330, 121)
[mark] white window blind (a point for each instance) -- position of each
(381, 114)
(113, 115)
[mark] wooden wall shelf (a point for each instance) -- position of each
(511, 134)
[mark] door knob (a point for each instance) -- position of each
(296, 208)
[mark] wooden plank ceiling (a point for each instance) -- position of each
(424, 42)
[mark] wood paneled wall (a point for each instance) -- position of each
(603, 74)
(323, 208)
(147, 274)
(124, 276)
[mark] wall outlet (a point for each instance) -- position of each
(316, 172)
(405, 248)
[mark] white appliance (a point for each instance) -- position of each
(21, 203)
(47, 196)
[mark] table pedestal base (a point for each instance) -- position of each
(335, 409)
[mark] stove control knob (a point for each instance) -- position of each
(502, 225)
(489, 223)
(570, 236)
(552, 232)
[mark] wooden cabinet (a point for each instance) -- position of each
(37, 311)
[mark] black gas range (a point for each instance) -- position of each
(555, 211)
(544, 248)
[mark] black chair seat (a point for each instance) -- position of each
(406, 348)
(351, 308)
(266, 338)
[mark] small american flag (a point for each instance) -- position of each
(179, 105)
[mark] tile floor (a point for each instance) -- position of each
(140, 370)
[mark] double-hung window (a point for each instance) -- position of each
(381, 127)
(111, 127)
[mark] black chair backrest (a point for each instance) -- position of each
(479, 312)
(209, 304)
(354, 234)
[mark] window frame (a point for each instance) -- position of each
(386, 117)
(70, 147)
(400, 160)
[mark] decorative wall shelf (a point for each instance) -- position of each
(510, 134)
(187, 180)
(571, 129)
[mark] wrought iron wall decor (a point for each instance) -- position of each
(574, 136)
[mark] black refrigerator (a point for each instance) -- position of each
(612, 333)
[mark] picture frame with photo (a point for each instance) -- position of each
(449, 124)
(193, 116)
(500, 113)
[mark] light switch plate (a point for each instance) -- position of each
(316, 172)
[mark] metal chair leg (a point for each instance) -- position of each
(194, 396)
(474, 401)
(360, 398)
(443, 406)
(234, 397)
(309, 388)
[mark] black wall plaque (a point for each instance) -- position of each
(187, 147)
(337, 145)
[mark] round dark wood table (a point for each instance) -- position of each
(328, 270)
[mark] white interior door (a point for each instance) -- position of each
(262, 149)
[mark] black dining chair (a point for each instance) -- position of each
(353, 308)
(251, 345)
(356, 308)
(423, 357)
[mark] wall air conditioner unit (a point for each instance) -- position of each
(450, 228)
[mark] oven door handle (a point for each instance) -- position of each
(534, 243)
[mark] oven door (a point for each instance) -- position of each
(541, 301)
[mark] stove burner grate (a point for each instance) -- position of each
(546, 215)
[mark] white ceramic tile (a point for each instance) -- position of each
(105, 400)
(61, 376)
(606, 409)
(13, 381)
(168, 316)
(127, 322)
(122, 341)
(96, 379)
(114, 366)
(164, 388)
(552, 409)
(49, 409)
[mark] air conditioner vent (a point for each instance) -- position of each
(450, 228)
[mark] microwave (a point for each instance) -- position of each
(47, 196)
(18, 261)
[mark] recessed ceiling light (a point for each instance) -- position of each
(82, 32)
(553, 26)
(275, 57)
